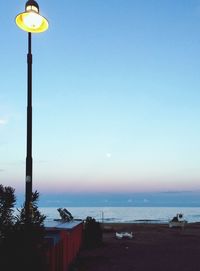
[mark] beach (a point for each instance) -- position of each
(154, 247)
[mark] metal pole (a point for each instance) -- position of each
(29, 135)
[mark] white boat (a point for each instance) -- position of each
(177, 221)
(127, 235)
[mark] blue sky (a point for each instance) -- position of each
(116, 91)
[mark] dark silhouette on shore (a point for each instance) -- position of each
(65, 215)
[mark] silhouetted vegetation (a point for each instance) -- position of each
(92, 233)
(21, 244)
(7, 218)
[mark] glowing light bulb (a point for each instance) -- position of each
(33, 20)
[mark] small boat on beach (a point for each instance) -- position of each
(126, 235)
(177, 221)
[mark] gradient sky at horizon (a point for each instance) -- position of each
(116, 96)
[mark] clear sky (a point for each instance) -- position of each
(116, 96)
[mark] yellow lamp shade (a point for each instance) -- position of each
(32, 22)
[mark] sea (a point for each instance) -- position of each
(158, 207)
(127, 214)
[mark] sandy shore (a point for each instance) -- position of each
(154, 247)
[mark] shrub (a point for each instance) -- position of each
(7, 202)
(21, 244)
(92, 233)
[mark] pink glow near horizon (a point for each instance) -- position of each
(85, 186)
(106, 184)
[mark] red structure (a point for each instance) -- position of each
(63, 243)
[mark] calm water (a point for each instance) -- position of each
(128, 214)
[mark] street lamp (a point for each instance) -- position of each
(32, 22)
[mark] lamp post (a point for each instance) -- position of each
(32, 22)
